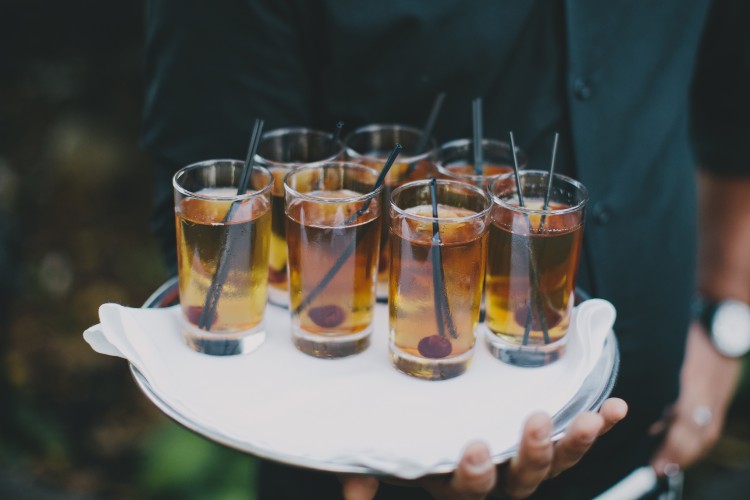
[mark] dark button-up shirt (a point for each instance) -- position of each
(614, 78)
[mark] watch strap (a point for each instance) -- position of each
(704, 310)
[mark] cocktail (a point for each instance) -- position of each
(333, 217)
(438, 254)
(281, 151)
(533, 258)
(222, 255)
(371, 146)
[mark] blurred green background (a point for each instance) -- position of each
(74, 210)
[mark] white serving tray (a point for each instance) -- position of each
(595, 389)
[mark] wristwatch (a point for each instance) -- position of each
(728, 324)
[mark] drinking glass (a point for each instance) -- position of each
(437, 267)
(455, 160)
(282, 150)
(222, 255)
(533, 258)
(371, 145)
(333, 217)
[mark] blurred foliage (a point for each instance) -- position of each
(182, 465)
(74, 208)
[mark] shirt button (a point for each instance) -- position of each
(600, 213)
(582, 88)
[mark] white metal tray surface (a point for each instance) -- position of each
(595, 389)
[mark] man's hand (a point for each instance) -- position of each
(538, 459)
(707, 383)
(708, 379)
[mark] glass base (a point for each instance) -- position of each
(330, 347)
(219, 344)
(278, 297)
(524, 355)
(430, 369)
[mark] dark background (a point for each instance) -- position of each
(74, 210)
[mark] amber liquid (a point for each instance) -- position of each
(202, 237)
(413, 308)
(317, 237)
(399, 174)
(511, 282)
(277, 263)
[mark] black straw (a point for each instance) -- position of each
(551, 172)
(336, 267)
(427, 130)
(476, 115)
(550, 176)
(430, 123)
(247, 169)
(337, 134)
(442, 307)
(208, 313)
(536, 299)
(515, 171)
(378, 182)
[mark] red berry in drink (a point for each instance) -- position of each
(434, 347)
(329, 316)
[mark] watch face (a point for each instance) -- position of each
(731, 328)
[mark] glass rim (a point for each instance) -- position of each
(333, 201)
(445, 220)
(207, 163)
(468, 143)
(471, 177)
(538, 211)
(431, 146)
(277, 132)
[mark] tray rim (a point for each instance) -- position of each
(592, 394)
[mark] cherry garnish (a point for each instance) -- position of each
(329, 316)
(193, 314)
(434, 346)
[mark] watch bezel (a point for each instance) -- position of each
(726, 337)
